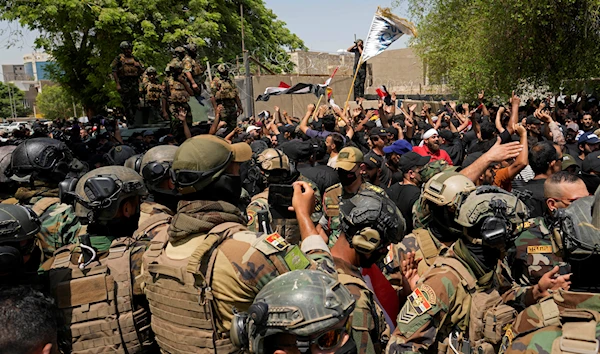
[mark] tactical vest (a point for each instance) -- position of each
(129, 66)
(428, 249)
(331, 199)
(487, 320)
(286, 228)
(226, 91)
(153, 92)
(177, 91)
(180, 295)
(97, 302)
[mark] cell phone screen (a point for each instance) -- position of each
(280, 195)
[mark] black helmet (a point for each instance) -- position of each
(44, 159)
(17, 225)
(119, 154)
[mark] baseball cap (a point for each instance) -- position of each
(567, 161)
(446, 134)
(591, 163)
(378, 131)
(573, 126)
(348, 158)
(251, 128)
(532, 120)
(411, 159)
(588, 138)
(400, 147)
(373, 160)
(241, 151)
(148, 133)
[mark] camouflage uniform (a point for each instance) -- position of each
(331, 200)
(190, 65)
(129, 70)
(533, 255)
(287, 228)
(177, 97)
(152, 92)
(369, 328)
(225, 93)
(564, 318)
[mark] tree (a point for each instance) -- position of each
(55, 103)
(496, 44)
(10, 94)
(84, 37)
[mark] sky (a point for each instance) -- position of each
(325, 26)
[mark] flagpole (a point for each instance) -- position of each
(352, 84)
(321, 96)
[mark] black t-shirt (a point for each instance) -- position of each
(537, 201)
(357, 58)
(323, 175)
(404, 196)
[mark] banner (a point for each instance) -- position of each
(386, 28)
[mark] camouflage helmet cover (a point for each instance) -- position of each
(301, 302)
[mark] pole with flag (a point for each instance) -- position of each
(324, 91)
(385, 29)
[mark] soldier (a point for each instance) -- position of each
(566, 321)
(348, 169)
(175, 98)
(457, 305)
(276, 168)
(39, 165)
(118, 155)
(96, 282)
(291, 312)
(369, 223)
(155, 168)
(225, 93)
(533, 255)
(178, 55)
(207, 262)
(126, 71)
(134, 162)
(19, 256)
(152, 90)
(193, 71)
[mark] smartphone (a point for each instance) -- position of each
(399, 103)
(280, 195)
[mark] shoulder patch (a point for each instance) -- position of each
(251, 216)
(539, 249)
(419, 301)
(407, 314)
(296, 259)
(277, 241)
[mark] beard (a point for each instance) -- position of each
(434, 147)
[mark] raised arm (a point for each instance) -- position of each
(304, 123)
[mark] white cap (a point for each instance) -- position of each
(251, 128)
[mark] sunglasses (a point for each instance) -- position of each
(329, 339)
(186, 178)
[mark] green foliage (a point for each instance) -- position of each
(17, 99)
(496, 44)
(84, 37)
(55, 103)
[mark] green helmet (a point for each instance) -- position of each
(200, 161)
(151, 70)
(125, 45)
(301, 302)
(156, 164)
(371, 221)
(433, 168)
(495, 211)
(99, 193)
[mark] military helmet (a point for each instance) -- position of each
(134, 162)
(222, 68)
(579, 228)
(493, 210)
(125, 45)
(175, 66)
(100, 192)
(151, 70)
(117, 155)
(273, 159)
(179, 50)
(301, 303)
(443, 188)
(17, 225)
(191, 47)
(371, 221)
(5, 159)
(198, 162)
(43, 159)
(156, 164)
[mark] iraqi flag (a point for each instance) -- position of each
(297, 89)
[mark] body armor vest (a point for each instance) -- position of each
(97, 302)
(180, 295)
(177, 92)
(153, 92)
(129, 66)
(226, 91)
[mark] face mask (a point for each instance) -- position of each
(348, 348)
(229, 188)
(346, 177)
(123, 227)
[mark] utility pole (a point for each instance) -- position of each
(249, 90)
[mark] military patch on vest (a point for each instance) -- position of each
(539, 249)
(276, 241)
(407, 314)
(296, 259)
(251, 217)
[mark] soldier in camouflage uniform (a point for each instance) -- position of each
(566, 321)
(348, 169)
(216, 259)
(224, 92)
(369, 223)
(126, 71)
(272, 324)
(176, 96)
(276, 168)
(108, 200)
(193, 71)
(533, 255)
(39, 165)
(151, 91)
(19, 258)
(461, 304)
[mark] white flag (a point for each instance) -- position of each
(386, 28)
